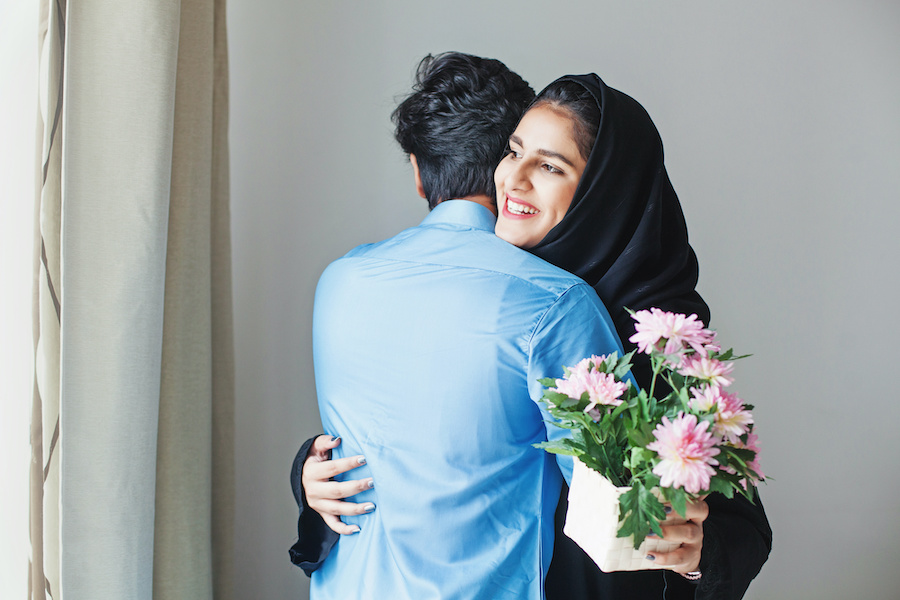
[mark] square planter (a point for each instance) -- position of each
(593, 519)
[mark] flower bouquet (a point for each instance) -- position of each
(696, 439)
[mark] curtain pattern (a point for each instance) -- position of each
(132, 429)
(43, 576)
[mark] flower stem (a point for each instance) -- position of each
(657, 366)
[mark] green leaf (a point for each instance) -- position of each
(564, 446)
(738, 457)
(676, 381)
(640, 436)
(619, 410)
(622, 366)
(569, 404)
(596, 465)
(640, 513)
(678, 499)
(721, 485)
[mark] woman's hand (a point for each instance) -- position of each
(687, 531)
(326, 496)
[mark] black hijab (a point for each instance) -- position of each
(624, 233)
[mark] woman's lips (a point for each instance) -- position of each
(517, 209)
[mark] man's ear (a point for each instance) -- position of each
(420, 189)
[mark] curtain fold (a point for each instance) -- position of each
(223, 394)
(193, 498)
(133, 270)
(44, 514)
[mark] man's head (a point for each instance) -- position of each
(457, 122)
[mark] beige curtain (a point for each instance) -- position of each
(132, 428)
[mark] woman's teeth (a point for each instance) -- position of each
(519, 209)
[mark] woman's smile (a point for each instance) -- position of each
(518, 209)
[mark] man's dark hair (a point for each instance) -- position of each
(457, 122)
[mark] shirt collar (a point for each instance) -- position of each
(462, 212)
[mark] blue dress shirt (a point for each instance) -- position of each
(428, 347)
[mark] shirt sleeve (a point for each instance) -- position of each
(314, 538)
(574, 327)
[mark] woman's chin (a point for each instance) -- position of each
(516, 238)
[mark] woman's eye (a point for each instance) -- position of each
(551, 169)
(513, 153)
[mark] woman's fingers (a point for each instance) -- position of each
(688, 533)
(339, 526)
(324, 495)
(335, 508)
(680, 560)
(326, 469)
(332, 510)
(697, 510)
(686, 557)
(322, 447)
(319, 489)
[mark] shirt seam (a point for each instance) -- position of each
(568, 286)
(547, 310)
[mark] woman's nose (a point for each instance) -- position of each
(517, 178)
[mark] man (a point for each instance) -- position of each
(428, 347)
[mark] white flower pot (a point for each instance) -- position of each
(593, 519)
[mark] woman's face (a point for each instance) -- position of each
(536, 180)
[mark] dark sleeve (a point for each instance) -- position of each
(314, 538)
(737, 540)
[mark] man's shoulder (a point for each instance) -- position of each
(469, 250)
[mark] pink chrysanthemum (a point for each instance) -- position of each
(654, 325)
(752, 444)
(710, 370)
(602, 388)
(705, 398)
(686, 448)
(585, 363)
(711, 346)
(732, 420)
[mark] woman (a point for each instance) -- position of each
(623, 232)
(584, 187)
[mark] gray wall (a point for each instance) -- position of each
(781, 123)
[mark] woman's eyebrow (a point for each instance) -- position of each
(556, 155)
(548, 153)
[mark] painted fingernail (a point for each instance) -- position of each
(336, 439)
(652, 535)
(355, 529)
(368, 507)
(361, 460)
(370, 484)
(650, 557)
(667, 509)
